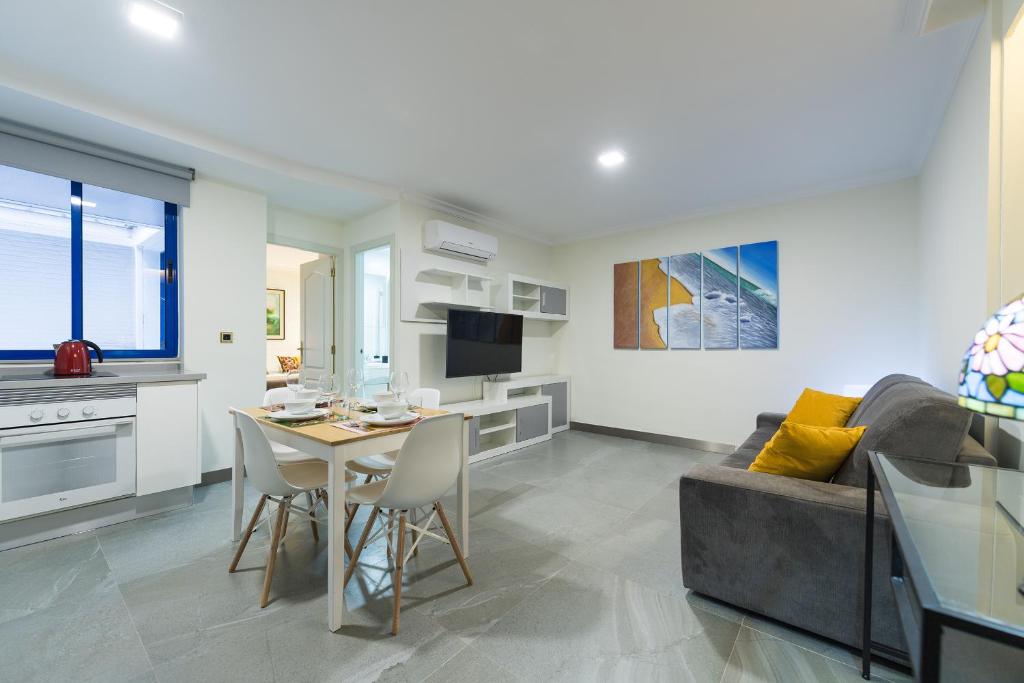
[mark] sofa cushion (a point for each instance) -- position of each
(911, 418)
(748, 450)
(806, 451)
(819, 409)
(877, 389)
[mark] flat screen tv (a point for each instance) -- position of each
(481, 343)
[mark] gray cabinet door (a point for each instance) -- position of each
(559, 393)
(552, 300)
(531, 422)
(474, 435)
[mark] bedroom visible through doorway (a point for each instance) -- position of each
(300, 314)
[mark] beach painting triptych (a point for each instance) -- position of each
(725, 298)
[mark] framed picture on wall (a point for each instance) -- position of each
(275, 314)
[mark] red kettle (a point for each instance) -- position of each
(72, 358)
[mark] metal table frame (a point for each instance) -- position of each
(922, 616)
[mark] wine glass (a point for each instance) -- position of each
(399, 382)
(353, 385)
(330, 387)
(293, 380)
(311, 380)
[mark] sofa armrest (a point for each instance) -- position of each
(973, 453)
(788, 548)
(770, 420)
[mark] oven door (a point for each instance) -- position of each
(53, 467)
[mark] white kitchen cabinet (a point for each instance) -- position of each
(167, 428)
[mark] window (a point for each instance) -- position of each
(79, 261)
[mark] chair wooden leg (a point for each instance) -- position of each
(451, 539)
(391, 527)
(282, 510)
(312, 516)
(412, 537)
(248, 532)
(351, 515)
(362, 541)
(396, 582)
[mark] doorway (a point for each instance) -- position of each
(373, 317)
(300, 313)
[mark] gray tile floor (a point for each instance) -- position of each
(575, 551)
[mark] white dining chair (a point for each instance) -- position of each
(427, 466)
(278, 483)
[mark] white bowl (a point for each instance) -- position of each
(307, 395)
(391, 409)
(383, 396)
(300, 406)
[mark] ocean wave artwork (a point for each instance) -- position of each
(759, 295)
(719, 305)
(683, 314)
(653, 302)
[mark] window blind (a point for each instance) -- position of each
(56, 155)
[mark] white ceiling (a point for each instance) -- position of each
(499, 108)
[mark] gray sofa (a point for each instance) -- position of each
(792, 549)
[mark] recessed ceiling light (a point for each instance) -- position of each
(156, 17)
(611, 158)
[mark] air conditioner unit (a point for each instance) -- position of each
(454, 240)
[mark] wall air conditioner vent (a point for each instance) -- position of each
(454, 240)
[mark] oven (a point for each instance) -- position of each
(64, 447)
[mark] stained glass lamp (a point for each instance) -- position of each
(992, 373)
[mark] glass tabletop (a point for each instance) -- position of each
(966, 524)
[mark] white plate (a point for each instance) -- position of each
(296, 417)
(379, 421)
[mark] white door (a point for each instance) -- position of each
(316, 301)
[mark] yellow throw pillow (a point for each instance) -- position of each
(806, 451)
(822, 410)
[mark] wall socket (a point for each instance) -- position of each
(227, 337)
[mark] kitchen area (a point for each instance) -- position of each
(83, 447)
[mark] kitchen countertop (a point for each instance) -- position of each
(124, 373)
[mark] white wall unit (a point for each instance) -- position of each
(167, 443)
(554, 387)
(431, 285)
(502, 426)
(536, 299)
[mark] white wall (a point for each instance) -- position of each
(288, 280)
(953, 242)
(223, 268)
(847, 307)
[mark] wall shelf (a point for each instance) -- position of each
(431, 286)
(537, 299)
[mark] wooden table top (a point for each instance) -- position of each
(327, 433)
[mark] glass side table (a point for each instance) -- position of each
(957, 557)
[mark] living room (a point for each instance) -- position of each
(705, 285)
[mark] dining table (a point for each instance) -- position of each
(326, 440)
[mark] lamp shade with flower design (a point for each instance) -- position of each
(992, 373)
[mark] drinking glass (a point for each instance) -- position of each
(399, 382)
(311, 379)
(353, 385)
(330, 387)
(293, 380)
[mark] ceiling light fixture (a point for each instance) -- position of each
(156, 17)
(611, 158)
(77, 201)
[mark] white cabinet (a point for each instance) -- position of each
(537, 299)
(167, 444)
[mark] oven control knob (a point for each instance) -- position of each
(63, 412)
(36, 415)
(88, 411)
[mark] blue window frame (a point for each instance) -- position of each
(78, 261)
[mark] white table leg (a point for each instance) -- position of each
(464, 490)
(336, 489)
(237, 485)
